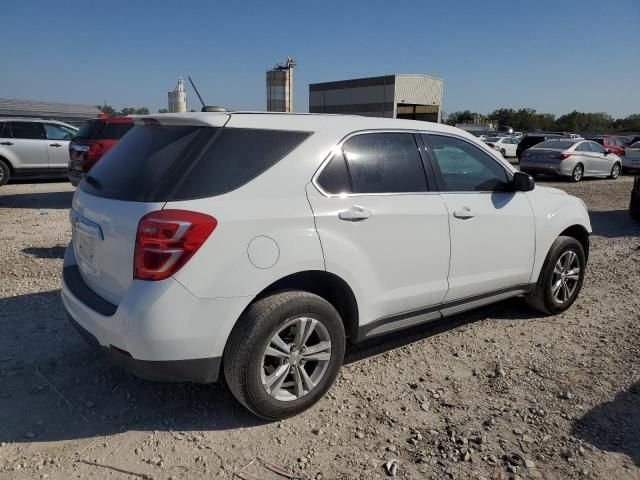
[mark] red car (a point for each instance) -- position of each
(94, 139)
(614, 144)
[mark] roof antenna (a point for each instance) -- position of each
(205, 108)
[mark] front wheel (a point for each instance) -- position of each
(284, 354)
(615, 171)
(561, 277)
(503, 152)
(577, 173)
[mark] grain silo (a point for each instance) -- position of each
(178, 98)
(280, 87)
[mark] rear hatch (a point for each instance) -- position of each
(133, 179)
(165, 159)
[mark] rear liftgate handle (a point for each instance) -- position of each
(354, 214)
(464, 213)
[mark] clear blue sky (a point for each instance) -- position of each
(554, 56)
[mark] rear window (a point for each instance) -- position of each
(635, 146)
(90, 130)
(557, 144)
(158, 163)
(529, 141)
(115, 131)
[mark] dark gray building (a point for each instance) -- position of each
(66, 112)
(411, 96)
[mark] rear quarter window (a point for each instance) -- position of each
(236, 157)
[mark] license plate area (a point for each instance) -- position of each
(85, 233)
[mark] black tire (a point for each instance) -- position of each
(615, 171)
(578, 173)
(5, 172)
(243, 356)
(503, 152)
(541, 298)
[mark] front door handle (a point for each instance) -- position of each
(464, 213)
(354, 214)
(55, 144)
(6, 143)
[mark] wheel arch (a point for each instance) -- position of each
(12, 170)
(326, 285)
(580, 233)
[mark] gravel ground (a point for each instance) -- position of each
(560, 395)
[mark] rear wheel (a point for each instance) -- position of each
(5, 172)
(503, 152)
(561, 277)
(578, 173)
(615, 171)
(284, 354)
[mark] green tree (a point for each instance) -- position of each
(106, 109)
(163, 110)
(464, 116)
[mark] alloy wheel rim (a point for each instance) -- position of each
(616, 171)
(296, 359)
(577, 173)
(566, 275)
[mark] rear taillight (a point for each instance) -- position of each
(562, 156)
(167, 239)
(92, 155)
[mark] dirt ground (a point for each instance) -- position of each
(559, 397)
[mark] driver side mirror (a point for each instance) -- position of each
(523, 182)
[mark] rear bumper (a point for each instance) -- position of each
(545, 169)
(158, 331)
(198, 370)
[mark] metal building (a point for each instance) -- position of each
(412, 96)
(178, 98)
(66, 112)
(280, 87)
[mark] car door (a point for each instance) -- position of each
(492, 226)
(28, 146)
(58, 138)
(511, 147)
(601, 160)
(382, 230)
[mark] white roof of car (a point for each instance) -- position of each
(297, 121)
(30, 119)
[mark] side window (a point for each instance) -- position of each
(584, 147)
(4, 130)
(27, 130)
(334, 179)
(596, 147)
(58, 132)
(465, 168)
(384, 163)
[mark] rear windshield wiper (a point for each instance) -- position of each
(93, 181)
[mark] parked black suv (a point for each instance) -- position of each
(634, 205)
(532, 139)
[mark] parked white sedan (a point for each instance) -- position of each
(631, 158)
(505, 145)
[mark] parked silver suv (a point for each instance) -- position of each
(32, 146)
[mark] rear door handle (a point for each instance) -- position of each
(6, 143)
(55, 144)
(354, 214)
(464, 213)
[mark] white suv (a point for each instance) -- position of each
(260, 243)
(32, 146)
